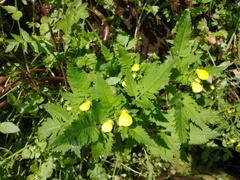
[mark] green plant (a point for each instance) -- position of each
(117, 115)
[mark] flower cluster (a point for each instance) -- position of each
(124, 119)
(202, 75)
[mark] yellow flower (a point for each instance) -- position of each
(229, 111)
(196, 87)
(107, 126)
(135, 67)
(134, 75)
(212, 87)
(197, 80)
(69, 108)
(85, 106)
(237, 148)
(125, 119)
(202, 74)
(124, 84)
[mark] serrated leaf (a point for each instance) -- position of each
(105, 94)
(50, 128)
(78, 80)
(181, 42)
(143, 103)
(106, 53)
(157, 78)
(8, 127)
(81, 132)
(200, 136)
(170, 148)
(191, 111)
(99, 114)
(56, 110)
(103, 146)
(131, 85)
(181, 123)
(212, 70)
(141, 136)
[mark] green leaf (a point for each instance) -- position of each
(122, 38)
(157, 78)
(50, 128)
(55, 110)
(103, 146)
(146, 103)
(81, 132)
(181, 123)
(131, 86)
(105, 94)
(113, 80)
(182, 41)
(200, 136)
(18, 38)
(17, 15)
(82, 11)
(12, 45)
(97, 172)
(106, 53)
(45, 19)
(8, 127)
(191, 111)
(26, 36)
(10, 9)
(46, 169)
(212, 70)
(141, 136)
(12, 99)
(78, 80)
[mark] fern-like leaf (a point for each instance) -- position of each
(181, 42)
(157, 78)
(181, 123)
(141, 136)
(105, 95)
(201, 136)
(131, 85)
(50, 128)
(191, 110)
(78, 80)
(81, 132)
(55, 110)
(103, 146)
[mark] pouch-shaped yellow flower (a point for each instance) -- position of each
(85, 106)
(135, 67)
(237, 148)
(125, 119)
(196, 87)
(202, 74)
(107, 126)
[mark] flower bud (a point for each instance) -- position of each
(85, 106)
(107, 126)
(202, 74)
(135, 67)
(125, 119)
(196, 87)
